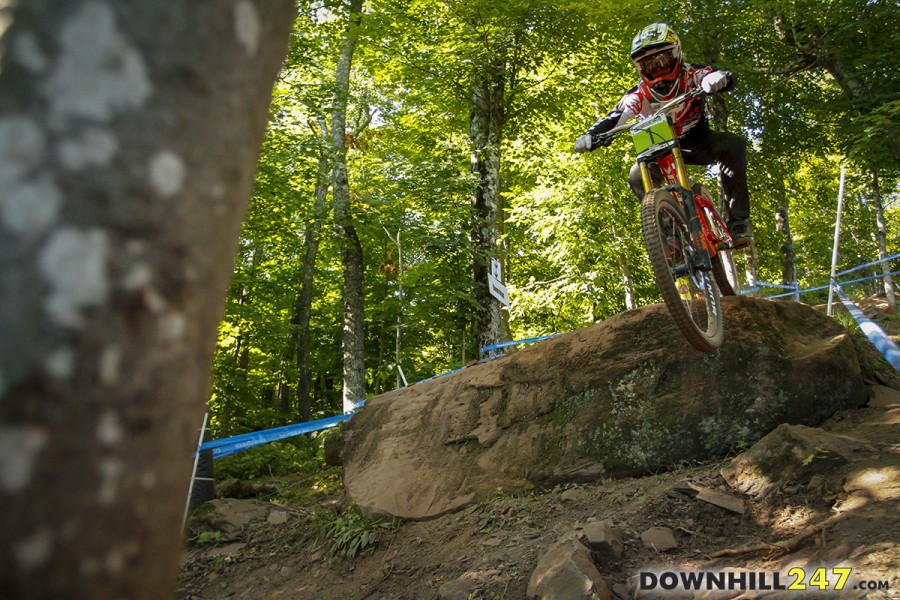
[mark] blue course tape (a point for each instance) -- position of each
(792, 286)
(517, 342)
(871, 264)
(815, 289)
(232, 445)
(825, 287)
(872, 330)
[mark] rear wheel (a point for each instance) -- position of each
(691, 295)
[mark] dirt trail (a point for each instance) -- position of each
(845, 515)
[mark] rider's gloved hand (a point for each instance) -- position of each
(713, 82)
(583, 143)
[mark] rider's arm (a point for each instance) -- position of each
(624, 111)
(606, 123)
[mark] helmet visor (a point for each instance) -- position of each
(657, 65)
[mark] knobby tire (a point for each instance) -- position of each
(668, 242)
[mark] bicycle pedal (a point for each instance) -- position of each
(740, 245)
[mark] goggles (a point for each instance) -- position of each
(657, 64)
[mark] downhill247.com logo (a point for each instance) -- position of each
(797, 579)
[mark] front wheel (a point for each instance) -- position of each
(690, 294)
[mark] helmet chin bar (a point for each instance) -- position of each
(662, 87)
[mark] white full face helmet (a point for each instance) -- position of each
(656, 52)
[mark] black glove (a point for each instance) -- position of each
(602, 141)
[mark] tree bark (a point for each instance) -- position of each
(881, 240)
(129, 135)
(627, 283)
(304, 404)
(354, 389)
(486, 122)
(301, 313)
(751, 260)
(789, 257)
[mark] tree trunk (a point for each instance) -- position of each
(485, 133)
(789, 257)
(881, 239)
(627, 282)
(129, 135)
(354, 389)
(298, 342)
(751, 260)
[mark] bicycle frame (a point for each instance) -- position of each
(675, 173)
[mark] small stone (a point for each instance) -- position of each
(456, 589)
(277, 517)
(574, 495)
(604, 541)
(659, 538)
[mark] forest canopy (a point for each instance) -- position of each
(411, 142)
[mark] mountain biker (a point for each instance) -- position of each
(656, 52)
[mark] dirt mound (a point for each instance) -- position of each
(844, 514)
(624, 397)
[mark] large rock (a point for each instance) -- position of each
(623, 397)
(792, 454)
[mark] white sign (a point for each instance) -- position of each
(498, 290)
(495, 269)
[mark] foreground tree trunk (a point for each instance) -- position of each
(129, 134)
(351, 249)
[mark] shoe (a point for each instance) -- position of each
(741, 234)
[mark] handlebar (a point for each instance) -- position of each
(608, 136)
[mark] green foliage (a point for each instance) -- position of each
(350, 532)
(209, 538)
(571, 228)
(501, 511)
(292, 456)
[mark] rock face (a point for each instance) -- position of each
(623, 397)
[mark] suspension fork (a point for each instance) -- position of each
(704, 254)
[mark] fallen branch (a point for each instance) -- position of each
(780, 548)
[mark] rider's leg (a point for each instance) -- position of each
(637, 184)
(730, 152)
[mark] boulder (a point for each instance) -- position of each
(626, 397)
(792, 454)
(566, 572)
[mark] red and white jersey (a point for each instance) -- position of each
(686, 117)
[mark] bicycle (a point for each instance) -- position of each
(683, 234)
